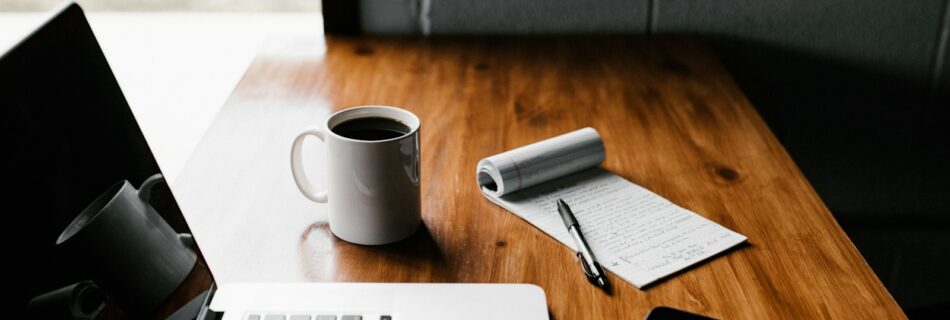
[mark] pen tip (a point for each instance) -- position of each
(604, 285)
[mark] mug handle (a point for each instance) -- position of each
(296, 165)
(145, 193)
(145, 190)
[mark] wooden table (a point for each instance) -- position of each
(672, 120)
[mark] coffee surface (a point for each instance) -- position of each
(371, 129)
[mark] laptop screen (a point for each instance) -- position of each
(94, 229)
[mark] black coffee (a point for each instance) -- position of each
(371, 129)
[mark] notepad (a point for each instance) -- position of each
(636, 234)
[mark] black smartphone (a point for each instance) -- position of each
(667, 313)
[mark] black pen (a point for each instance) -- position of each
(594, 272)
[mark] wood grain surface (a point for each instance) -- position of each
(672, 120)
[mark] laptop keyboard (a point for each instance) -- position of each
(316, 316)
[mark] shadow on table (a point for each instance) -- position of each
(873, 145)
(417, 258)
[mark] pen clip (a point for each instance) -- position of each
(587, 271)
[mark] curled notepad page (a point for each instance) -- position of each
(542, 161)
(636, 234)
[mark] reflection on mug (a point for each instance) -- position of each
(127, 247)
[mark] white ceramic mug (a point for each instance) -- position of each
(373, 185)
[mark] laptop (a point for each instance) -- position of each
(102, 237)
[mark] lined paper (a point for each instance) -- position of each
(638, 235)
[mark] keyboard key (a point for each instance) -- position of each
(276, 317)
(352, 317)
(254, 317)
(326, 317)
(385, 317)
(300, 317)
